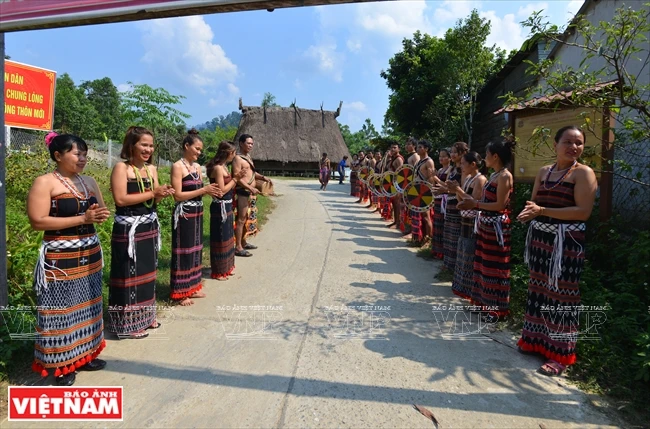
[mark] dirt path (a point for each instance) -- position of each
(330, 324)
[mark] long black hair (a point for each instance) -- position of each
(223, 152)
(503, 149)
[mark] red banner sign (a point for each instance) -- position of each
(65, 403)
(29, 96)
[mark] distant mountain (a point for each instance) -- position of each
(231, 120)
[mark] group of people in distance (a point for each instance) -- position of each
(68, 275)
(469, 226)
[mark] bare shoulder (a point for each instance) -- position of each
(46, 180)
(584, 171)
(120, 166)
(545, 169)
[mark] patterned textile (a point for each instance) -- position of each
(416, 226)
(452, 226)
(437, 241)
(250, 227)
(464, 272)
(324, 176)
(70, 322)
(222, 234)
(355, 189)
(134, 248)
(552, 309)
(386, 208)
(492, 257)
(187, 243)
(404, 218)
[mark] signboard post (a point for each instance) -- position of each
(4, 288)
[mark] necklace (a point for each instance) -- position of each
(469, 181)
(561, 179)
(71, 188)
(195, 175)
(141, 186)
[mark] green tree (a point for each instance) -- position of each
(105, 98)
(269, 100)
(434, 82)
(73, 113)
(154, 109)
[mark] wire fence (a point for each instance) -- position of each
(105, 152)
(631, 193)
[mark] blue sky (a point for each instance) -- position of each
(311, 54)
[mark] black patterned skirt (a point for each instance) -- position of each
(222, 239)
(491, 287)
(451, 234)
(355, 189)
(134, 262)
(187, 249)
(552, 310)
(464, 272)
(437, 242)
(70, 324)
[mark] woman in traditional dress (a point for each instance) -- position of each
(470, 165)
(448, 207)
(355, 190)
(324, 176)
(562, 200)
(187, 222)
(68, 275)
(136, 237)
(491, 289)
(222, 233)
(437, 244)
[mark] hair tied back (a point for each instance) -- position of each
(49, 137)
(193, 132)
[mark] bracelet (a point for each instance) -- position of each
(541, 211)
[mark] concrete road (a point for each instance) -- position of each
(333, 322)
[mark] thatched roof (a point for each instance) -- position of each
(292, 134)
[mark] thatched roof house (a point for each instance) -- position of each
(291, 140)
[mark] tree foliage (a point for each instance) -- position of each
(610, 51)
(73, 112)
(269, 100)
(434, 82)
(105, 98)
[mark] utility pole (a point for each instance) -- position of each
(4, 287)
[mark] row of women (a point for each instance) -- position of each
(470, 228)
(68, 276)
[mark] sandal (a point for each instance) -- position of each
(66, 380)
(158, 325)
(249, 246)
(243, 253)
(552, 368)
(134, 336)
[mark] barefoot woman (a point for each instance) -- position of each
(562, 200)
(136, 237)
(187, 222)
(68, 275)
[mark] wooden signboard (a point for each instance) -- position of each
(533, 153)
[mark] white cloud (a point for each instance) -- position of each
(397, 19)
(124, 87)
(452, 10)
(573, 7)
(213, 102)
(233, 89)
(328, 60)
(525, 11)
(505, 32)
(354, 45)
(297, 84)
(358, 106)
(183, 48)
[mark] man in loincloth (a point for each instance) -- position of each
(409, 216)
(361, 160)
(396, 160)
(245, 196)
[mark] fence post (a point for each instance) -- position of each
(8, 137)
(110, 156)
